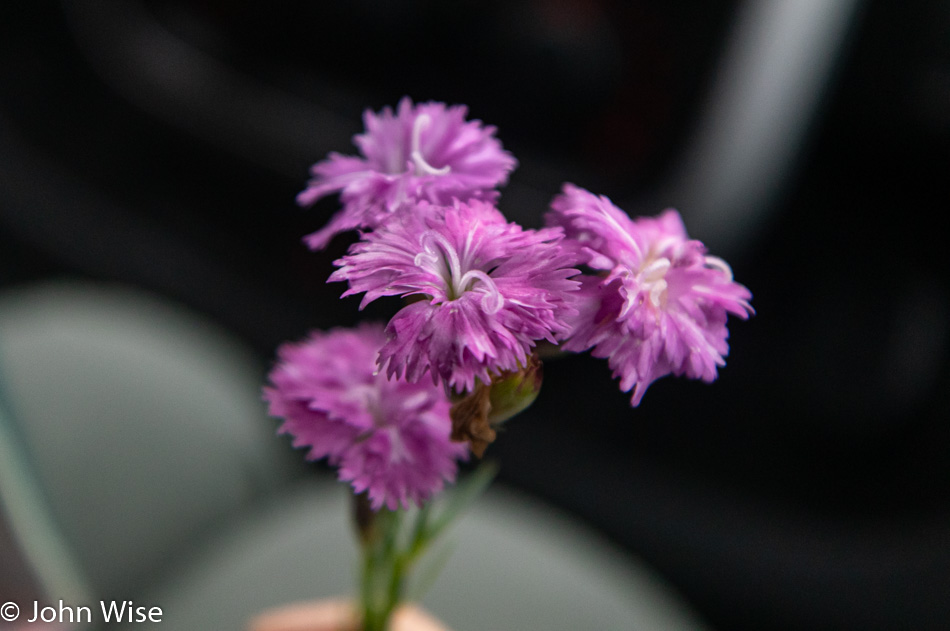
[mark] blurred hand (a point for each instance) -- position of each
(337, 615)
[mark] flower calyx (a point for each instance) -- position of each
(476, 413)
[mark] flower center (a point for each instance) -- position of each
(648, 279)
(652, 278)
(422, 167)
(368, 396)
(440, 257)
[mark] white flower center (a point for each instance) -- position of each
(652, 278)
(440, 257)
(422, 167)
(649, 279)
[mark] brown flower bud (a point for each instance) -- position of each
(475, 414)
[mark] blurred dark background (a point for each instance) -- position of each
(161, 143)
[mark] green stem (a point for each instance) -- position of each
(383, 572)
(391, 546)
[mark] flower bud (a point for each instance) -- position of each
(514, 392)
(476, 413)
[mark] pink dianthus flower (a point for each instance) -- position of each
(659, 304)
(486, 290)
(389, 438)
(422, 152)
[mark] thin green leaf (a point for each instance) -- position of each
(428, 571)
(464, 494)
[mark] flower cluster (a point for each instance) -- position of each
(479, 294)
